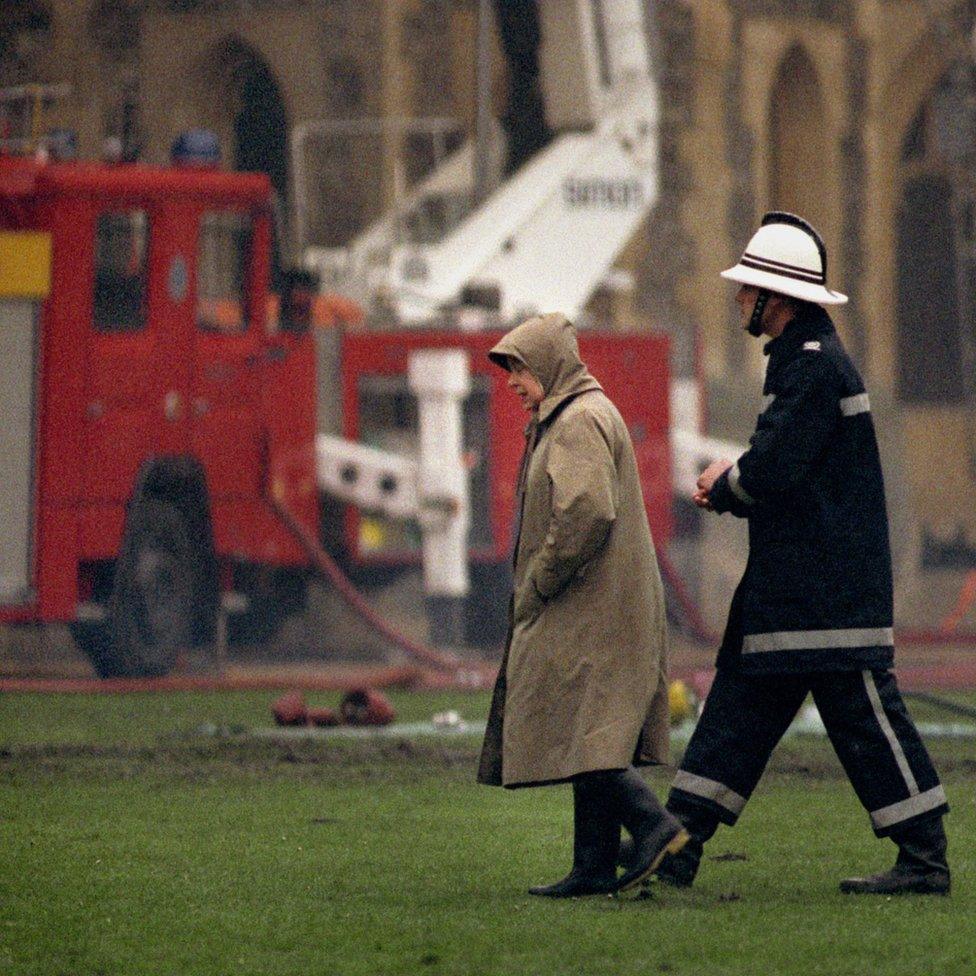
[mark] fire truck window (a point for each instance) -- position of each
(121, 240)
(388, 419)
(222, 271)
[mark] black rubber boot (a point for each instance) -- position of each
(677, 870)
(596, 841)
(920, 869)
(655, 832)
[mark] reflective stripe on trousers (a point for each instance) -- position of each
(874, 737)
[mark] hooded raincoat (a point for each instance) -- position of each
(583, 684)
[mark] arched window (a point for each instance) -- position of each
(25, 36)
(798, 140)
(260, 124)
(936, 271)
(252, 99)
(254, 114)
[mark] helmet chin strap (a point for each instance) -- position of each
(754, 328)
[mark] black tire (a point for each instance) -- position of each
(151, 611)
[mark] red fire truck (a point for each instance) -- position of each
(157, 419)
(148, 408)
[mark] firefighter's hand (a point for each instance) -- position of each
(700, 498)
(711, 474)
(706, 480)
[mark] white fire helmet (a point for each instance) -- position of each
(787, 256)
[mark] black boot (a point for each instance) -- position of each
(655, 832)
(596, 840)
(678, 870)
(920, 869)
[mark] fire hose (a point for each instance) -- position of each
(331, 571)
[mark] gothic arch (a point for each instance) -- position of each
(934, 233)
(239, 96)
(798, 139)
(26, 28)
(909, 86)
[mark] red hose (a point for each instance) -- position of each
(330, 679)
(694, 621)
(329, 568)
(937, 638)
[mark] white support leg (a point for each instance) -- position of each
(439, 379)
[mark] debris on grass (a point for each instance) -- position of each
(729, 896)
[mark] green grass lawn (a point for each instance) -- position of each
(130, 845)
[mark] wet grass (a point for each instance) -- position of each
(148, 849)
(144, 718)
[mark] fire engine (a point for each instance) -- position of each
(148, 408)
(157, 417)
(160, 448)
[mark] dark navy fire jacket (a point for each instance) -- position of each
(816, 594)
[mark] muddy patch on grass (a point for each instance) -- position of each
(196, 759)
(206, 760)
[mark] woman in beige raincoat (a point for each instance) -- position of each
(581, 695)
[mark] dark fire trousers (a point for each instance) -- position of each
(745, 715)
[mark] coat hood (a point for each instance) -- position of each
(547, 346)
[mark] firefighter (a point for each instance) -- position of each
(581, 694)
(813, 611)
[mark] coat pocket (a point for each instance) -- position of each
(528, 604)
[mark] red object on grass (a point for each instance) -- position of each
(366, 706)
(290, 709)
(323, 717)
(701, 683)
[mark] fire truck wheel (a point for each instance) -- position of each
(151, 609)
